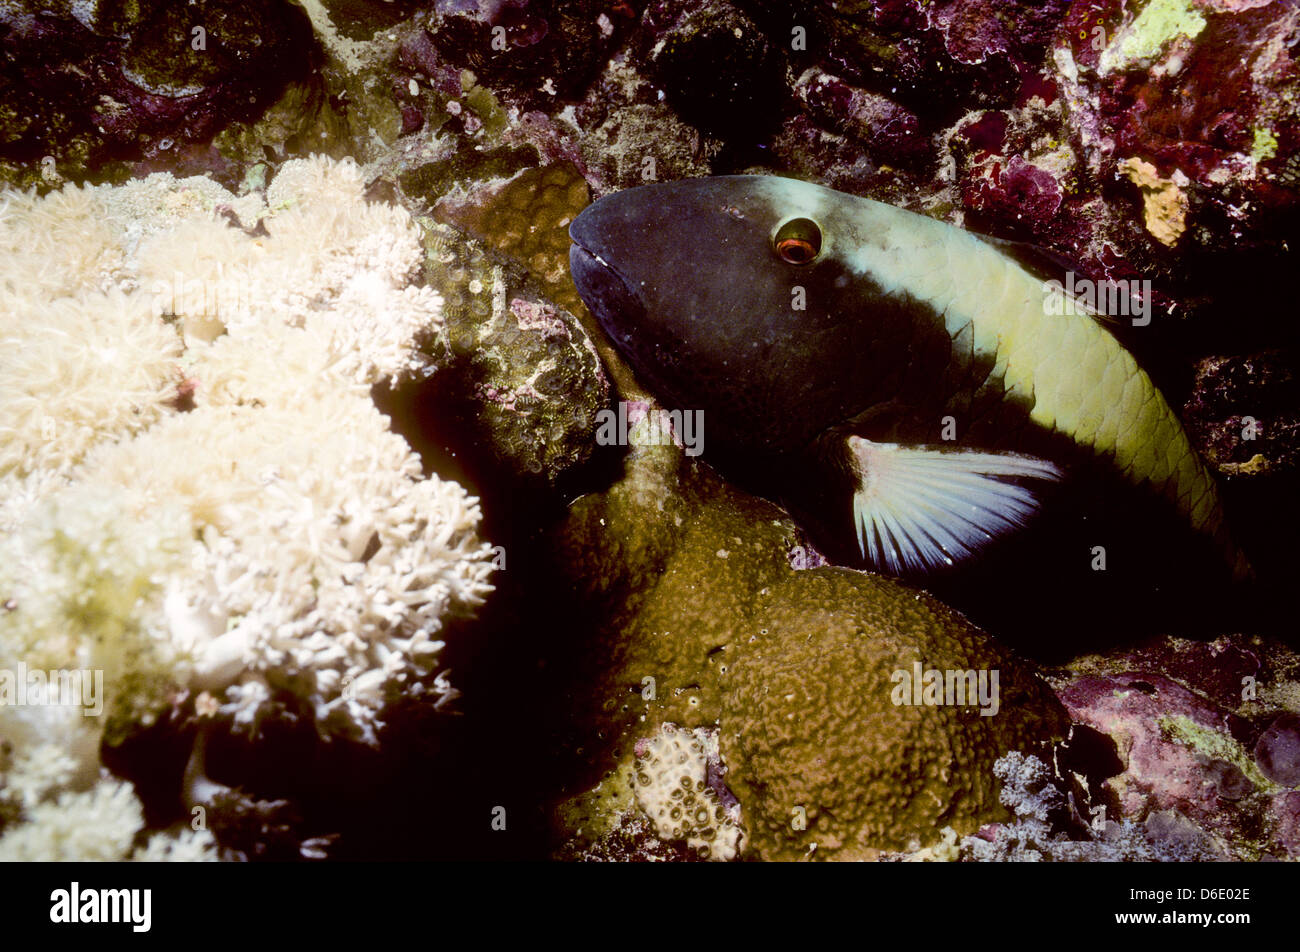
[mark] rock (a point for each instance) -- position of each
(519, 371)
(1278, 751)
(718, 69)
(1245, 414)
(928, 55)
(1196, 729)
(1243, 417)
(93, 89)
(361, 19)
(534, 50)
(639, 144)
(883, 128)
(1285, 817)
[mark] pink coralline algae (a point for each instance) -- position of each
(1191, 132)
(1014, 189)
(1159, 773)
(1183, 746)
(1152, 141)
(891, 129)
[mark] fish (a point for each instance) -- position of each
(910, 390)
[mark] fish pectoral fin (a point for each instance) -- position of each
(920, 508)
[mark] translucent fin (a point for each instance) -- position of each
(919, 509)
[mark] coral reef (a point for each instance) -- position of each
(228, 512)
(537, 51)
(702, 620)
(232, 406)
(512, 366)
(1032, 792)
(94, 88)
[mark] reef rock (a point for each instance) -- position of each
(91, 89)
(1204, 731)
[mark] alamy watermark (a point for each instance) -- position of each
(73, 905)
(643, 425)
(933, 688)
(32, 687)
(1120, 298)
(207, 297)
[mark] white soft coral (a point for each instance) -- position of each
(77, 371)
(57, 823)
(323, 556)
(278, 535)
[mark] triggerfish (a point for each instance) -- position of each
(909, 390)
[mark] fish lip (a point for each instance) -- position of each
(577, 246)
(588, 261)
(590, 256)
(605, 291)
(584, 235)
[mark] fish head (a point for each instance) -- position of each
(732, 295)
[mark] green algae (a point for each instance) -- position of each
(1263, 146)
(1216, 745)
(485, 105)
(1159, 22)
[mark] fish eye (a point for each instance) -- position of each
(797, 241)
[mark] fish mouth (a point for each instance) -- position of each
(606, 292)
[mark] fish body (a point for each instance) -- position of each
(907, 383)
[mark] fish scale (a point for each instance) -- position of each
(1069, 379)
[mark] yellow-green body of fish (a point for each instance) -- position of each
(1076, 377)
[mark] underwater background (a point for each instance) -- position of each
(361, 577)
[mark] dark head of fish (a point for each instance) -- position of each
(692, 283)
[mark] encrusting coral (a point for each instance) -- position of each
(199, 493)
(672, 789)
(709, 619)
